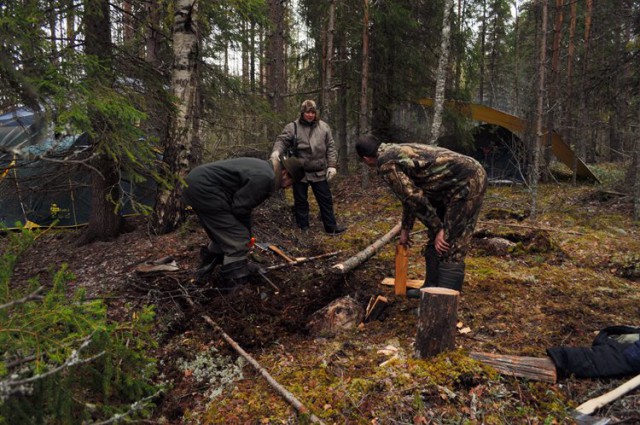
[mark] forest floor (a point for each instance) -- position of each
(571, 271)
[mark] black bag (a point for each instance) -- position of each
(292, 150)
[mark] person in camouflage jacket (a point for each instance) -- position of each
(441, 188)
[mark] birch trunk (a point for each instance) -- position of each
(441, 74)
(183, 147)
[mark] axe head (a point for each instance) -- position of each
(585, 419)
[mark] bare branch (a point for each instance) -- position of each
(32, 296)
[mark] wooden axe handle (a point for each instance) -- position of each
(594, 404)
(402, 264)
(280, 253)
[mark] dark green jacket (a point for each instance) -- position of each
(237, 185)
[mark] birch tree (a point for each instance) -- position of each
(441, 74)
(183, 147)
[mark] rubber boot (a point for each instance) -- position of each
(451, 275)
(232, 274)
(208, 262)
(432, 263)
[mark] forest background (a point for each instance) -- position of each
(207, 80)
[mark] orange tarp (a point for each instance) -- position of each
(478, 112)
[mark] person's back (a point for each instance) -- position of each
(439, 172)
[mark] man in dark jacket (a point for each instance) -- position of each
(223, 194)
(441, 188)
(309, 138)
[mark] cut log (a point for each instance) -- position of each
(437, 321)
(402, 265)
(535, 368)
(365, 254)
(375, 308)
(411, 283)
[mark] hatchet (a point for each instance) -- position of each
(271, 247)
(582, 414)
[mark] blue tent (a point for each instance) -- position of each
(38, 191)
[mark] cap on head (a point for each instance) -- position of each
(367, 145)
(294, 167)
(308, 106)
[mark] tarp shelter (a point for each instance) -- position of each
(483, 113)
(44, 190)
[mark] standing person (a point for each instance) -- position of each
(223, 194)
(441, 188)
(309, 138)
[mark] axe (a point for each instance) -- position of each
(265, 246)
(582, 414)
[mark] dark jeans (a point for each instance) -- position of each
(322, 192)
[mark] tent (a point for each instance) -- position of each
(561, 150)
(42, 191)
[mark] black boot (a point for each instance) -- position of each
(232, 274)
(238, 273)
(208, 262)
(432, 263)
(451, 275)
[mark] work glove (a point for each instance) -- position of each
(331, 173)
(275, 156)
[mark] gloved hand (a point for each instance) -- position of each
(331, 173)
(275, 156)
(255, 268)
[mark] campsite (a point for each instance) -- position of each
(342, 212)
(566, 276)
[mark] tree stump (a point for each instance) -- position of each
(437, 321)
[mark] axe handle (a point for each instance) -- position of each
(594, 404)
(280, 253)
(402, 264)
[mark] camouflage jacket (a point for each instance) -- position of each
(424, 176)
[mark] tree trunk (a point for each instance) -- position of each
(276, 84)
(183, 147)
(552, 96)
(636, 192)
(483, 36)
(104, 221)
(327, 98)
(363, 126)
(441, 74)
(535, 166)
(568, 133)
(437, 321)
(342, 115)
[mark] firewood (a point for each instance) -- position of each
(375, 309)
(411, 283)
(535, 368)
(437, 321)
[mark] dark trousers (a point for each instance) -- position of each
(322, 192)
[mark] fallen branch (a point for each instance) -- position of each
(290, 398)
(366, 253)
(303, 260)
(548, 229)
